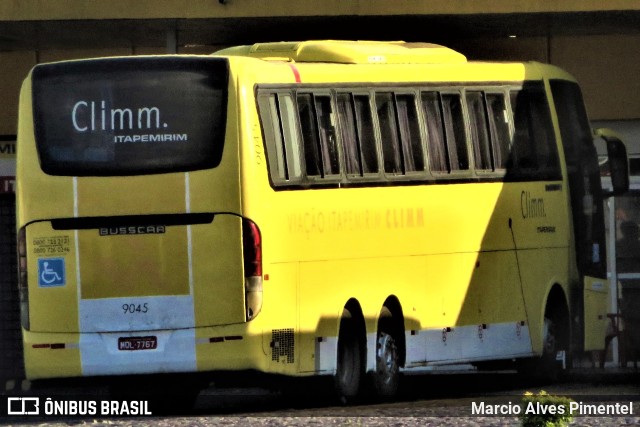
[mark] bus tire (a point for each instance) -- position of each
(350, 365)
(546, 369)
(386, 377)
(543, 369)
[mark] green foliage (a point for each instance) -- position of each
(545, 410)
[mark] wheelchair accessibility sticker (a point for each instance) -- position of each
(51, 272)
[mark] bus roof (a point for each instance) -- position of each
(350, 52)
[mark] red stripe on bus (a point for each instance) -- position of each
(296, 73)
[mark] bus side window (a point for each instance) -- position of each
(291, 138)
(309, 127)
(391, 153)
(410, 133)
(273, 133)
(357, 134)
(479, 132)
(318, 134)
(436, 145)
(499, 126)
(454, 131)
(328, 140)
(281, 134)
(366, 133)
(523, 142)
(348, 134)
(547, 150)
(534, 143)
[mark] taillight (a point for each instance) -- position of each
(23, 290)
(252, 258)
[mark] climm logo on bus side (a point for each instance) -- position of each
(96, 116)
(532, 207)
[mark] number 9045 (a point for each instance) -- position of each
(135, 308)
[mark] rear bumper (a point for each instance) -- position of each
(65, 355)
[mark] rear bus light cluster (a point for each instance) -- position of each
(252, 257)
(23, 289)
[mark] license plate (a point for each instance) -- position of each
(137, 343)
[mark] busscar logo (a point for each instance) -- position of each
(23, 406)
(135, 229)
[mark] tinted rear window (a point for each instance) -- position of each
(130, 116)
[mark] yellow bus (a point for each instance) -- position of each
(348, 209)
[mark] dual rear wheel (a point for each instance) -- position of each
(351, 364)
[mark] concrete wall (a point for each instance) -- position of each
(607, 67)
(19, 10)
(14, 66)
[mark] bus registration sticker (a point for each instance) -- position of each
(137, 343)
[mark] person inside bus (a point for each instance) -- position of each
(628, 248)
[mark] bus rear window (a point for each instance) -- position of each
(130, 116)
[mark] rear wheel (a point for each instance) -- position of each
(386, 377)
(350, 363)
(547, 366)
(555, 338)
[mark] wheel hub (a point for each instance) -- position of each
(387, 358)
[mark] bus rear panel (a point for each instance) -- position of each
(108, 277)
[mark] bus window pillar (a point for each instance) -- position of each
(613, 273)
